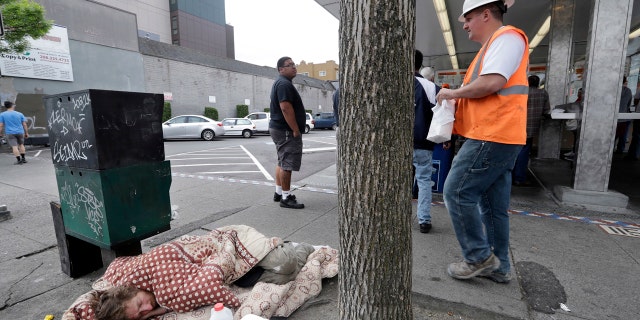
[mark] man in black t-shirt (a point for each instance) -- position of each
(287, 117)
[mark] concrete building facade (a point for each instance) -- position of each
(106, 53)
(152, 17)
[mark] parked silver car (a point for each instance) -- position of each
(238, 127)
(191, 127)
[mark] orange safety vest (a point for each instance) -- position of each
(501, 116)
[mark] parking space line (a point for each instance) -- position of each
(321, 141)
(229, 153)
(222, 172)
(258, 164)
(210, 158)
(311, 150)
(210, 164)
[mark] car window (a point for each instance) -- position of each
(228, 122)
(244, 121)
(262, 116)
(196, 120)
(252, 116)
(179, 120)
(308, 116)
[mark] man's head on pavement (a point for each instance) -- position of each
(287, 68)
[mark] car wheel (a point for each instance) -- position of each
(307, 129)
(208, 134)
(333, 126)
(246, 134)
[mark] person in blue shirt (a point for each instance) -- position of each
(15, 126)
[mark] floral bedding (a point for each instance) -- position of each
(190, 274)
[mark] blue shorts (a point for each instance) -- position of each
(289, 149)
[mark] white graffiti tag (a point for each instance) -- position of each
(79, 197)
(70, 151)
(67, 120)
(81, 102)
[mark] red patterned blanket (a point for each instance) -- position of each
(190, 274)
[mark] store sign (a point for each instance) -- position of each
(47, 58)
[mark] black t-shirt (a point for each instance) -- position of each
(283, 90)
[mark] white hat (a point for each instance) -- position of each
(472, 4)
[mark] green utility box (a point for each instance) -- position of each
(113, 206)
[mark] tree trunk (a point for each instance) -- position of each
(375, 157)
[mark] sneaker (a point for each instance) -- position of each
(497, 277)
(569, 154)
(465, 270)
(24, 160)
(425, 227)
(277, 197)
(291, 203)
(18, 162)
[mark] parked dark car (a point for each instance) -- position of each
(325, 120)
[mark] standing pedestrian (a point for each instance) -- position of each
(537, 105)
(422, 148)
(15, 126)
(491, 114)
(622, 129)
(287, 117)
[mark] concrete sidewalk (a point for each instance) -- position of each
(556, 257)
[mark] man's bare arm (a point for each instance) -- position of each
(290, 117)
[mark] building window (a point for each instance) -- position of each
(174, 25)
(323, 73)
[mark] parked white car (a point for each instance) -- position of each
(310, 123)
(238, 127)
(261, 120)
(191, 127)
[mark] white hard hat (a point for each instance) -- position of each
(472, 4)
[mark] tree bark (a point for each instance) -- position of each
(375, 145)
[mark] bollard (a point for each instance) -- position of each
(4, 213)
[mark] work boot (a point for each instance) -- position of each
(465, 270)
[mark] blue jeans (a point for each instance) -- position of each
(477, 193)
(522, 163)
(423, 164)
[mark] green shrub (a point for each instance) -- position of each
(242, 110)
(211, 113)
(267, 110)
(166, 111)
(309, 111)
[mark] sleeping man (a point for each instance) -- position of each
(194, 271)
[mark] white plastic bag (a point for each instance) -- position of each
(442, 122)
